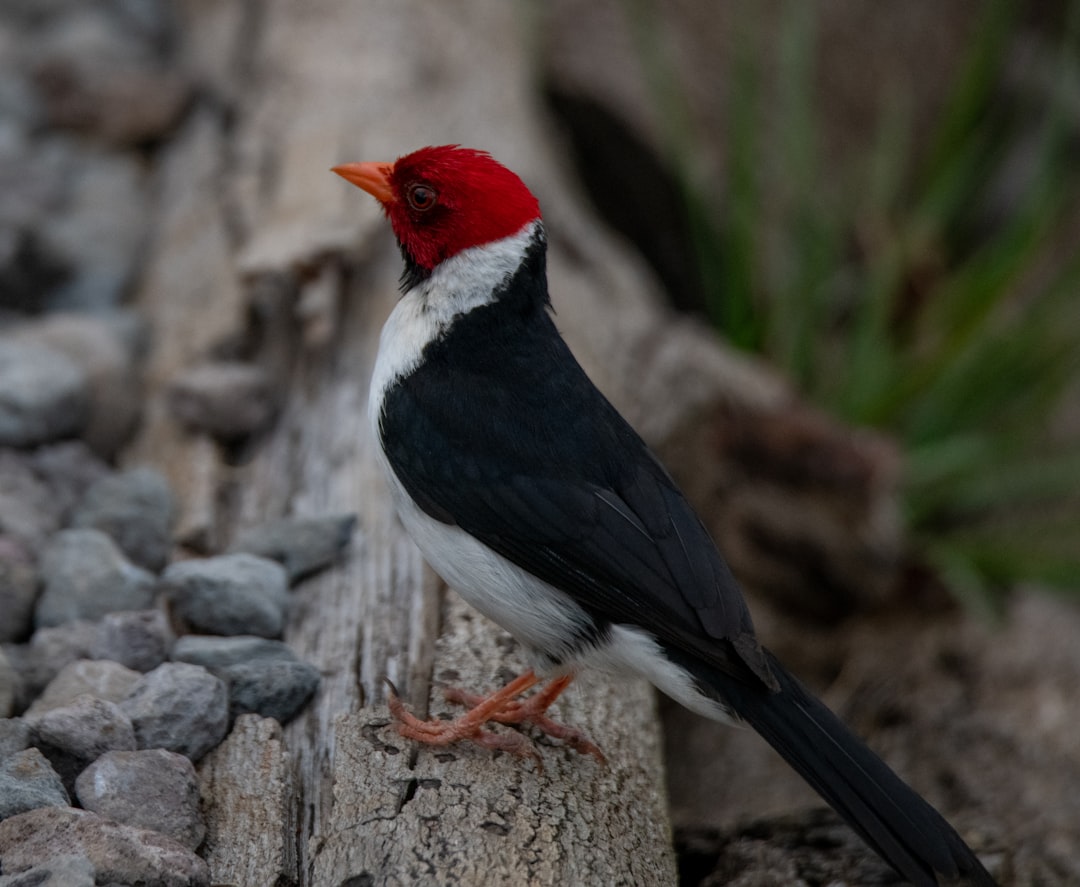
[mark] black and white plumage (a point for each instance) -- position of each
(533, 498)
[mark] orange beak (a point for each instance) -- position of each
(372, 177)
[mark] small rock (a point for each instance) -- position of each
(136, 509)
(213, 652)
(139, 639)
(153, 789)
(273, 688)
(74, 736)
(302, 545)
(28, 514)
(44, 395)
(60, 871)
(230, 594)
(27, 269)
(27, 520)
(10, 686)
(15, 735)
(27, 782)
(68, 469)
(47, 652)
(179, 707)
(99, 232)
(228, 401)
(120, 854)
(98, 343)
(18, 592)
(101, 679)
(85, 576)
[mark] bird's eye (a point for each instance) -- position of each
(421, 197)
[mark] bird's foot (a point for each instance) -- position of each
(532, 710)
(503, 707)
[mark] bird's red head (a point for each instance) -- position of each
(445, 199)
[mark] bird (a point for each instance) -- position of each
(532, 497)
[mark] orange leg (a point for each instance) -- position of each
(504, 707)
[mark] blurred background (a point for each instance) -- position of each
(880, 200)
(883, 201)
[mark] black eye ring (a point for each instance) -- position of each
(421, 197)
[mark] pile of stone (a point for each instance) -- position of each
(118, 670)
(120, 665)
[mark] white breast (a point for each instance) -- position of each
(545, 620)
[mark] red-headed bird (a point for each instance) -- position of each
(536, 501)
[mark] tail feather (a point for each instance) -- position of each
(903, 828)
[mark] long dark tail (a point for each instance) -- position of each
(903, 828)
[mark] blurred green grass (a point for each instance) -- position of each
(907, 299)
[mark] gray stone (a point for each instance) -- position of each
(49, 649)
(98, 231)
(272, 688)
(28, 513)
(85, 576)
(18, 591)
(179, 707)
(44, 395)
(99, 344)
(302, 545)
(101, 679)
(120, 854)
(136, 509)
(68, 469)
(154, 789)
(230, 594)
(10, 686)
(75, 735)
(214, 652)
(27, 782)
(15, 735)
(139, 639)
(228, 401)
(60, 871)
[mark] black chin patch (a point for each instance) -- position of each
(412, 274)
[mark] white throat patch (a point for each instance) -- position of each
(456, 286)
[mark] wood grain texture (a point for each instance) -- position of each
(248, 793)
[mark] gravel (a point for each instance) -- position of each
(60, 871)
(10, 686)
(230, 594)
(302, 545)
(136, 509)
(102, 713)
(119, 854)
(75, 735)
(274, 689)
(154, 789)
(214, 652)
(18, 592)
(179, 707)
(15, 735)
(263, 676)
(47, 652)
(85, 576)
(102, 679)
(103, 347)
(44, 395)
(27, 782)
(138, 639)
